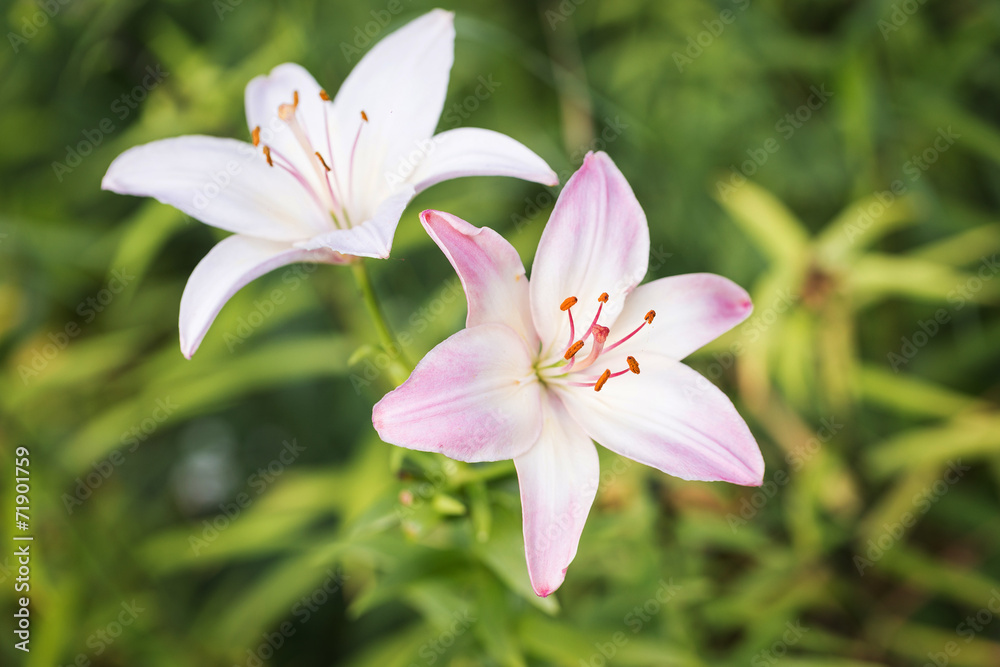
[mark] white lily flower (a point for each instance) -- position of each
(325, 180)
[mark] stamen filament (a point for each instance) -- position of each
(603, 299)
(648, 320)
(289, 166)
(335, 185)
(354, 148)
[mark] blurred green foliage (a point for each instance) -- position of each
(242, 500)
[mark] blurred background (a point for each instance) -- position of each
(839, 159)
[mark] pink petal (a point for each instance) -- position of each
(474, 397)
(400, 85)
(222, 182)
(230, 265)
(490, 270)
(265, 94)
(671, 418)
(558, 478)
(597, 240)
(371, 239)
(691, 311)
(469, 151)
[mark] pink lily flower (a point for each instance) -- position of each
(545, 367)
(324, 180)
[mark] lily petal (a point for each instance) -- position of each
(558, 479)
(222, 182)
(671, 418)
(691, 311)
(265, 94)
(231, 264)
(400, 87)
(371, 239)
(472, 398)
(470, 151)
(490, 270)
(597, 240)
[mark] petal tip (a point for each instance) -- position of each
(442, 15)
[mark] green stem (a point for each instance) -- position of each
(400, 367)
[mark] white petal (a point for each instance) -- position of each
(472, 398)
(222, 182)
(691, 311)
(469, 151)
(490, 270)
(263, 96)
(558, 478)
(400, 85)
(230, 265)
(597, 240)
(371, 239)
(671, 418)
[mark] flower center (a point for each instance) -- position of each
(330, 195)
(574, 366)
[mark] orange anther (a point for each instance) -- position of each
(633, 365)
(601, 380)
(573, 349)
(267, 154)
(364, 116)
(323, 95)
(255, 135)
(603, 298)
(322, 161)
(295, 99)
(649, 316)
(568, 303)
